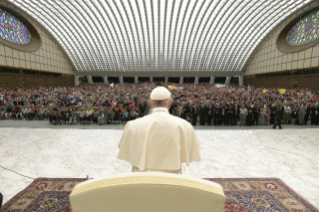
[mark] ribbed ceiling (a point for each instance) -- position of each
(159, 35)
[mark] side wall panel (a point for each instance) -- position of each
(267, 59)
(48, 58)
(30, 81)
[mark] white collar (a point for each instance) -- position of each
(159, 109)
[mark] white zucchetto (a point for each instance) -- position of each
(160, 93)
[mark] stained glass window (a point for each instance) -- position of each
(12, 29)
(305, 30)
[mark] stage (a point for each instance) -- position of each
(289, 154)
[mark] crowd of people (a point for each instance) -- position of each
(201, 104)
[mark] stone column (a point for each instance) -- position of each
(166, 80)
(121, 80)
(76, 80)
(241, 81)
(196, 80)
(151, 79)
(212, 80)
(136, 79)
(90, 81)
(106, 80)
(181, 80)
(227, 80)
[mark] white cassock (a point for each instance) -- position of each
(159, 142)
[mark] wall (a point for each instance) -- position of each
(288, 82)
(31, 81)
(48, 58)
(267, 58)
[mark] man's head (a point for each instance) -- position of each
(160, 97)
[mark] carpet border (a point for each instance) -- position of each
(30, 185)
(298, 195)
(286, 187)
(270, 195)
(18, 194)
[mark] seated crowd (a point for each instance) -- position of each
(203, 104)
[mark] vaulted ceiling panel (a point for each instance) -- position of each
(159, 35)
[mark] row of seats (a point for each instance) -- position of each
(100, 120)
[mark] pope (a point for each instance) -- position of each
(159, 142)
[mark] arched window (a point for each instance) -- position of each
(12, 29)
(305, 30)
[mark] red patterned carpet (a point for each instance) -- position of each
(261, 194)
(243, 194)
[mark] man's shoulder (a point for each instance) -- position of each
(178, 119)
(167, 117)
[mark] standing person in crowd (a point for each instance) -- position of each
(279, 116)
(249, 117)
(273, 109)
(217, 115)
(316, 118)
(213, 113)
(287, 113)
(227, 115)
(242, 115)
(194, 115)
(183, 114)
(267, 116)
(256, 112)
(224, 110)
(237, 111)
(294, 115)
(222, 115)
(307, 114)
(174, 109)
(147, 110)
(180, 110)
(190, 113)
(312, 114)
(202, 115)
(231, 113)
(302, 113)
(142, 108)
(187, 111)
(209, 114)
(261, 118)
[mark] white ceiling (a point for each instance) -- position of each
(159, 35)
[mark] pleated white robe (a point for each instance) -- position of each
(159, 142)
